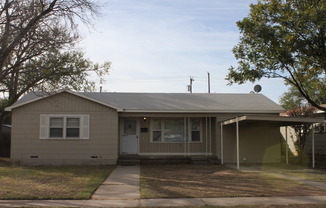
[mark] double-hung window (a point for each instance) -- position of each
(157, 130)
(64, 126)
(195, 130)
(56, 127)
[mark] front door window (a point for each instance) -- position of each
(129, 127)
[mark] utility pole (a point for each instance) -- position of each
(190, 86)
(209, 82)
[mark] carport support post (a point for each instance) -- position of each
(286, 146)
(238, 155)
(222, 159)
(313, 146)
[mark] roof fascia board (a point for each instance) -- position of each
(96, 101)
(33, 100)
(58, 92)
(194, 111)
(271, 119)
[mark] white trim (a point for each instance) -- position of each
(197, 111)
(210, 134)
(286, 146)
(186, 129)
(200, 129)
(96, 101)
(222, 148)
(206, 134)
(121, 133)
(238, 145)
(173, 153)
(61, 91)
(45, 127)
(313, 146)
(281, 119)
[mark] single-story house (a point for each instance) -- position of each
(69, 127)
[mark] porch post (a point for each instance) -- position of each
(206, 136)
(185, 134)
(313, 146)
(286, 146)
(222, 158)
(188, 135)
(210, 136)
(238, 148)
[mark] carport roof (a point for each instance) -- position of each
(262, 120)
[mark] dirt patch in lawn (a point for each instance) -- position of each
(206, 181)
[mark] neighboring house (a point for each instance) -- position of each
(319, 134)
(97, 128)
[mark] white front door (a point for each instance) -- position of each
(129, 136)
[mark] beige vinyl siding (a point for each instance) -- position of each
(320, 144)
(257, 144)
(147, 146)
(103, 133)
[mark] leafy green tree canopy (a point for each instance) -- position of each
(284, 39)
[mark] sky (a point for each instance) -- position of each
(158, 45)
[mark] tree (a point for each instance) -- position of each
(38, 46)
(284, 39)
(301, 131)
(293, 99)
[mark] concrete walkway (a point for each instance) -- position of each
(189, 202)
(123, 183)
(122, 189)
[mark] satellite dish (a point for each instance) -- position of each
(257, 88)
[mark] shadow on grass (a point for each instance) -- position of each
(207, 181)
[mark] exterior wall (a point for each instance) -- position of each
(147, 147)
(102, 142)
(176, 148)
(320, 144)
(257, 144)
(289, 132)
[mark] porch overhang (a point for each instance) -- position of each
(262, 120)
(270, 120)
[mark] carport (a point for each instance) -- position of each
(258, 120)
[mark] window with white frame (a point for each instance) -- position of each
(175, 130)
(64, 126)
(157, 130)
(195, 130)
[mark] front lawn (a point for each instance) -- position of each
(66, 182)
(316, 175)
(207, 181)
(301, 172)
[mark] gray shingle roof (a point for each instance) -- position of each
(174, 102)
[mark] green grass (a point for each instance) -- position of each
(66, 182)
(210, 181)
